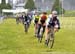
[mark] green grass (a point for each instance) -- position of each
(13, 39)
(69, 13)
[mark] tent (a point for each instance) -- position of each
(14, 10)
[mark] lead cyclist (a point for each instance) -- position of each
(52, 20)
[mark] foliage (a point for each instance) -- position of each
(30, 5)
(58, 7)
(3, 5)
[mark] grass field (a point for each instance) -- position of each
(13, 39)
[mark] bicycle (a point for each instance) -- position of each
(50, 40)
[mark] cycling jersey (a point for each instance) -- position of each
(36, 19)
(52, 21)
(26, 19)
(43, 18)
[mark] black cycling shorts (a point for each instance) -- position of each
(36, 21)
(42, 21)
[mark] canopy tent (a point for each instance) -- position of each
(14, 10)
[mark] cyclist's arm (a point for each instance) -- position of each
(48, 20)
(58, 22)
(33, 18)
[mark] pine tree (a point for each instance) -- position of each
(30, 5)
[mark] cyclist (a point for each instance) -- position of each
(36, 20)
(52, 21)
(17, 18)
(26, 21)
(30, 17)
(41, 23)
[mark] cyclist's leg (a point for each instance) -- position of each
(23, 20)
(36, 26)
(17, 20)
(56, 28)
(25, 26)
(52, 33)
(28, 24)
(43, 29)
(35, 29)
(46, 33)
(39, 27)
(44, 25)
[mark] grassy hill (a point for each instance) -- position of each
(13, 39)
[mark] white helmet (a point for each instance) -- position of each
(54, 12)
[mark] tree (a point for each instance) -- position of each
(30, 5)
(58, 7)
(8, 6)
(3, 1)
(3, 5)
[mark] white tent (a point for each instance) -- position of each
(20, 10)
(14, 11)
(7, 11)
